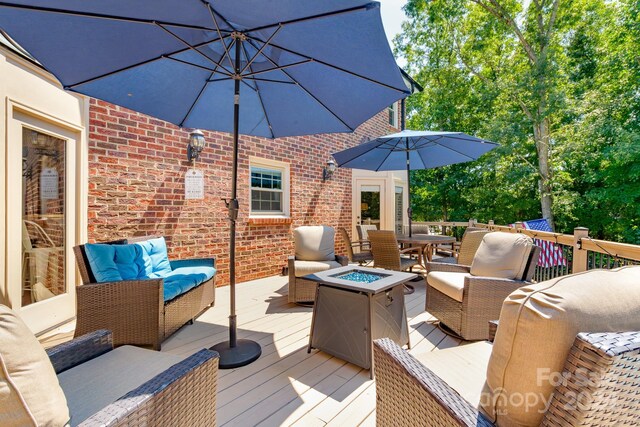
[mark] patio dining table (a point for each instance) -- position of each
(427, 241)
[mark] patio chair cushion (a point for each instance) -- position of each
(538, 325)
(29, 390)
(449, 283)
(112, 263)
(309, 267)
(101, 259)
(462, 367)
(154, 255)
(183, 279)
(91, 386)
(315, 243)
(502, 255)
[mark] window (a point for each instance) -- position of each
(393, 115)
(269, 182)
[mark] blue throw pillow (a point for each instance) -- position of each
(102, 262)
(156, 260)
(129, 261)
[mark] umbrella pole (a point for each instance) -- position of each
(235, 353)
(409, 211)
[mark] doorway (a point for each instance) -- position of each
(41, 213)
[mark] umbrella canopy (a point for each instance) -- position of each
(302, 66)
(414, 150)
(307, 66)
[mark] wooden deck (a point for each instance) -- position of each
(287, 386)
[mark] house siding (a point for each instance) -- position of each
(137, 166)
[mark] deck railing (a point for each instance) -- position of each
(579, 251)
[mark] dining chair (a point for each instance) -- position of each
(388, 255)
(362, 257)
(363, 234)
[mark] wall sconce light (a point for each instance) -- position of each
(196, 144)
(328, 171)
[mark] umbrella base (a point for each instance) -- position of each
(245, 352)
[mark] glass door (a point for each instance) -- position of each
(40, 221)
(368, 203)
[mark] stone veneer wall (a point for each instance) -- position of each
(136, 187)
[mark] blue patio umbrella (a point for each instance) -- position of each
(412, 150)
(266, 68)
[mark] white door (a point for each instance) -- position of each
(370, 200)
(41, 219)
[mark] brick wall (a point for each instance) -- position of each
(136, 187)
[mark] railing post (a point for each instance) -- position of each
(472, 222)
(491, 224)
(580, 256)
(519, 225)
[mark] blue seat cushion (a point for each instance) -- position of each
(183, 279)
(156, 260)
(129, 261)
(102, 262)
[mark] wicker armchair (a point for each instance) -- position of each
(539, 370)
(182, 395)
(314, 246)
(465, 302)
(465, 250)
(409, 394)
(362, 257)
(387, 254)
(134, 310)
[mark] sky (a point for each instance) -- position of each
(392, 17)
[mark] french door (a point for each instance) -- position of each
(41, 211)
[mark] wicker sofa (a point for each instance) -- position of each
(315, 252)
(540, 370)
(140, 311)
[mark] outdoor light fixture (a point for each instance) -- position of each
(196, 144)
(328, 171)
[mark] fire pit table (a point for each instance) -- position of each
(354, 306)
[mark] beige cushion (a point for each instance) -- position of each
(91, 386)
(538, 325)
(315, 243)
(309, 267)
(462, 367)
(502, 255)
(29, 388)
(449, 283)
(469, 246)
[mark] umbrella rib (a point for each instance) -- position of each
(264, 110)
(138, 64)
(258, 79)
(304, 89)
(384, 160)
(359, 155)
(313, 17)
(335, 67)
(278, 68)
(215, 22)
(260, 50)
(177, 37)
(206, 83)
(202, 67)
(101, 16)
(451, 149)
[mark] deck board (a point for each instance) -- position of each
(286, 385)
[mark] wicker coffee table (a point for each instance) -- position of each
(354, 306)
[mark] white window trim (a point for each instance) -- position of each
(286, 189)
(396, 115)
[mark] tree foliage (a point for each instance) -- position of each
(479, 78)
